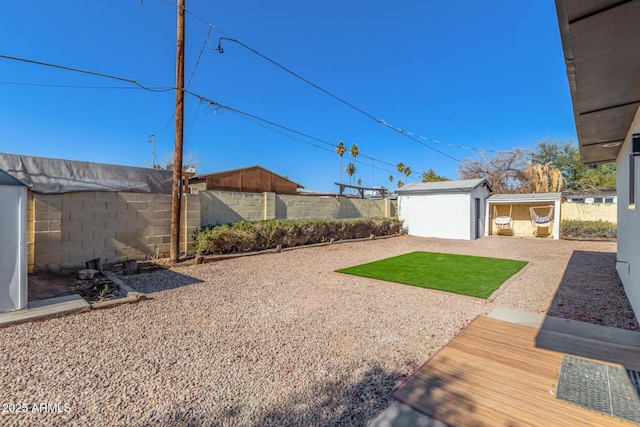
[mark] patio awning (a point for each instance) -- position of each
(600, 41)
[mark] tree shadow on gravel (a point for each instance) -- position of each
(160, 279)
(591, 291)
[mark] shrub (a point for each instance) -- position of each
(577, 229)
(245, 236)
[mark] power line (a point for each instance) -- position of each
(408, 134)
(70, 86)
(93, 73)
(347, 103)
(202, 99)
(277, 125)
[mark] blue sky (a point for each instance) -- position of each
(488, 75)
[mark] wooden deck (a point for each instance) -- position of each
(492, 374)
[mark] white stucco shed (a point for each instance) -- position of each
(446, 209)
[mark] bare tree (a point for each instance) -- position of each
(506, 171)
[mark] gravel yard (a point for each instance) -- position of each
(280, 339)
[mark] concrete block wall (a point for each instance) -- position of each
(590, 211)
(226, 207)
(70, 229)
(47, 233)
(221, 207)
(66, 230)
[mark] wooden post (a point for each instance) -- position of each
(174, 248)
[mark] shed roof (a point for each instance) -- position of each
(55, 176)
(459, 186)
(203, 177)
(6, 179)
(524, 198)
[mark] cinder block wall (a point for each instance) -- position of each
(66, 230)
(70, 229)
(591, 211)
(221, 207)
(226, 207)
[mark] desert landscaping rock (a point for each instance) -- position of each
(280, 339)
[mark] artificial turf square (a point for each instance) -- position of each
(460, 274)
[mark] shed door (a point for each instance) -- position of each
(478, 220)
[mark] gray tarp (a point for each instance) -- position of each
(55, 176)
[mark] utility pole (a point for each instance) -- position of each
(174, 249)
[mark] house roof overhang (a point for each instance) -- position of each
(600, 40)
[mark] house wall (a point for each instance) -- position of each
(628, 264)
(590, 211)
(446, 216)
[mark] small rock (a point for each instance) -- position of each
(87, 274)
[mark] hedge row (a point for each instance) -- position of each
(576, 229)
(245, 236)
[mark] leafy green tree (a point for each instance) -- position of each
(566, 157)
(432, 176)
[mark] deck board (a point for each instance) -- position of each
(492, 374)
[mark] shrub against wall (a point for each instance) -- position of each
(245, 236)
(577, 229)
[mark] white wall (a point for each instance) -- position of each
(628, 264)
(13, 248)
(447, 216)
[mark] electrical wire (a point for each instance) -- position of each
(70, 86)
(347, 103)
(93, 73)
(201, 98)
(204, 45)
(286, 128)
(410, 135)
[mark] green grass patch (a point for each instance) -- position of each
(460, 274)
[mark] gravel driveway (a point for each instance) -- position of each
(279, 339)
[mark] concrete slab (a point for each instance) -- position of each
(519, 317)
(401, 415)
(45, 309)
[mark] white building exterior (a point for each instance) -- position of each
(600, 44)
(13, 245)
(446, 209)
(628, 259)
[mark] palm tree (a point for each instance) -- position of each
(407, 172)
(360, 182)
(400, 167)
(399, 184)
(350, 170)
(341, 149)
(354, 151)
(390, 178)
